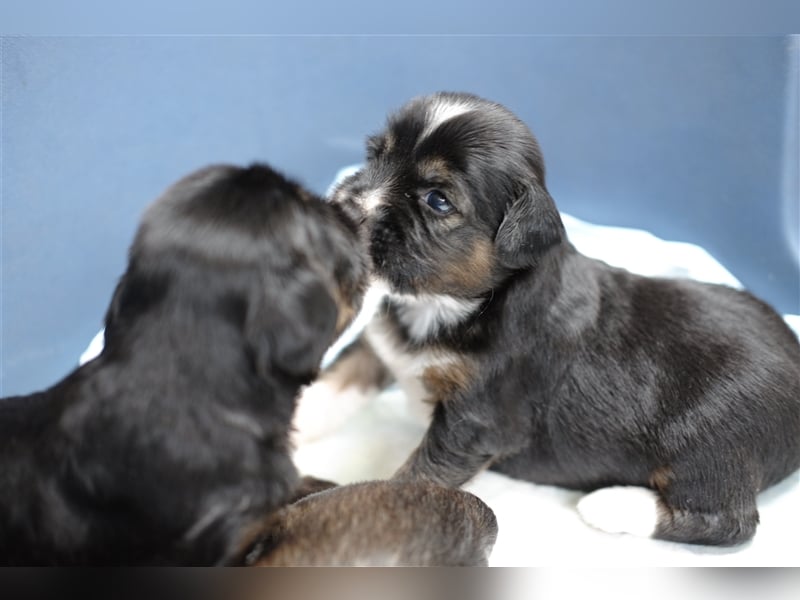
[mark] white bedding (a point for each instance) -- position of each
(539, 525)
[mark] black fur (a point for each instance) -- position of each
(567, 371)
(172, 446)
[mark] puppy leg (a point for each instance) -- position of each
(355, 378)
(690, 504)
(450, 454)
(709, 502)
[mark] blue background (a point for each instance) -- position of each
(697, 17)
(694, 138)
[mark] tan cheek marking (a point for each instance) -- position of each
(345, 309)
(473, 274)
(444, 381)
(348, 297)
(342, 298)
(346, 316)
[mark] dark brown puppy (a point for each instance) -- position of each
(172, 446)
(380, 523)
(551, 366)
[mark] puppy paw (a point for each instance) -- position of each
(622, 509)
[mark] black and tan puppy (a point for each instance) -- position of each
(550, 366)
(172, 446)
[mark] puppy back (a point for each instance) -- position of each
(383, 523)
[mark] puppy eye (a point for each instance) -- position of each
(436, 200)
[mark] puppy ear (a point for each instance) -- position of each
(135, 293)
(531, 225)
(290, 328)
(115, 306)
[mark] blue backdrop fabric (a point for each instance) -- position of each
(692, 138)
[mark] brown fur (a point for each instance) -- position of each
(360, 368)
(471, 275)
(442, 382)
(403, 525)
(660, 478)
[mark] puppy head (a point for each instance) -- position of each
(452, 197)
(252, 247)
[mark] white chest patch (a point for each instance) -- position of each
(427, 314)
(422, 316)
(407, 367)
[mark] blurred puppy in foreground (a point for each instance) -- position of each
(380, 523)
(676, 402)
(171, 447)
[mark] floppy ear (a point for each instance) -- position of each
(531, 225)
(135, 293)
(115, 306)
(290, 327)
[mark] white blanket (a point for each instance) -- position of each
(539, 525)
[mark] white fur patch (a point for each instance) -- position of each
(324, 406)
(372, 200)
(95, 347)
(621, 509)
(407, 368)
(426, 314)
(422, 315)
(441, 111)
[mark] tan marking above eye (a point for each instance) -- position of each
(435, 169)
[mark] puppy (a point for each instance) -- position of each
(172, 446)
(547, 365)
(380, 523)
